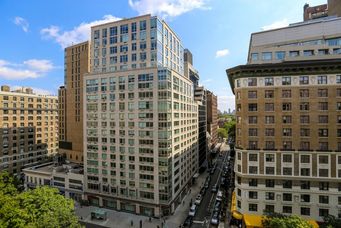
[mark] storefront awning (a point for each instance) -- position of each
(252, 221)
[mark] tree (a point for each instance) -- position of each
(41, 207)
(282, 221)
(231, 128)
(222, 133)
(331, 221)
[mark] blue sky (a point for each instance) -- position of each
(34, 33)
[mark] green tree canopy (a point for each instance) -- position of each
(41, 207)
(282, 221)
(222, 133)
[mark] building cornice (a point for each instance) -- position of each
(291, 68)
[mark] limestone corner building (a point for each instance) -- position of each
(29, 128)
(140, 118)
(288, 110)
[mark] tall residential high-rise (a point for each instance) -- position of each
(288, 111)
(212, 118)
(76, 64)
(29, 129)
(200, 98)
(141, 126)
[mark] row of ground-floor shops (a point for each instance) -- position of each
(251, 220)
(135, 206)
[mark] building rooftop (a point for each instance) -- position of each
(48, 168)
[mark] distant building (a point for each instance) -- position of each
(212, 118)
(77, 63)
(29, 128)
(332, 9)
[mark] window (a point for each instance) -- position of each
(304, 119)
(323, 146)
(324, 199)
(252, 82)
(252, 207)
(269, 196)
(252, 107)
(269, 132)
(286, 119)
(304, 132)
(253, 169)
(266, 56)
(269, 119)
(269, 94)
(269, 183)
(323, 172)
(308, 52)
(269, 145)
(338, 79)
(304, 106)
(324, 186)
(269, 157)
(338, 106)
(253, 182)
(305, 210)
(252, 94)
(294, 53)
(270, 170)
(286, 106)
(287, 209)
(304, 93)
(305, 185)
(322, 93)
(286, 80)
(287, 158)
(287, 132)
(269, 107)
(287, 171)
(253, 145)
(253, 119)
(287, 197)
(252, 131)
(304, 146)
(323, 212)
(323, 132)
(269, 209)
(287, 184)
(253, 195)
(269, 81)
(304, 80)
(338, 92)
(286, 93)
(280, 55)
(254, 56)
(305, 172)
(323, 119)
(321, 80)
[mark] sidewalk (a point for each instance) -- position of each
(117, 219)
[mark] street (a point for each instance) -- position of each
(205, 210)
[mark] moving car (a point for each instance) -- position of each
(192, 210)
(198, 200)
(214, 188)
(217, 206)
(188, 222)
(215, 218)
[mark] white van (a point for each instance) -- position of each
(219, 196)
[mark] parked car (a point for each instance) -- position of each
(188, 221)
(215, 218)
(214, 188)
(219, 196)
(198, 199)
(217, 206)
(192, 210)
(203, 191)
(206, 185)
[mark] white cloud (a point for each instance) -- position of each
(276, 24)
(222, 53)
(226, 102)
(23, 23)
(78, 34)
(32, 68)
(35, 90)
(166, 8)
